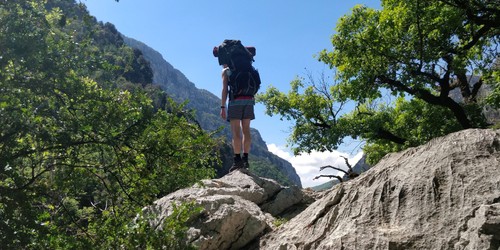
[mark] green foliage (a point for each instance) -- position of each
(494, 98)
(419, 48)
(416, 121)
(142, 234)
(312, 108)
(409, 56)
(264, 168)
(278, 222)
(207, 111)
(83, 146)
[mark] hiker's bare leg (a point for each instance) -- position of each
(236, 133)
(247, 138)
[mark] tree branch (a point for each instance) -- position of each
(329, 176)
(475, 89)
(332, 167)
(349, 174)
(473, 41)
(347, 162)
(428, 97)
(489, 15)
(386, 135)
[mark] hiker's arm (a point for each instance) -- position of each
(223, 94)
(224, 88)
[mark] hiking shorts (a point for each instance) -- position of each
(240, 111)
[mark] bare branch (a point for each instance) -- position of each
(347, 162)
(332, 167)
(329, 176)
(475, 89)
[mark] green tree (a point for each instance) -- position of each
(418, 52)
(82, 145)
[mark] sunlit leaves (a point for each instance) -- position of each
(399, 40)
(313, 108)
(397, 67)
(78, 141)
(414, 120)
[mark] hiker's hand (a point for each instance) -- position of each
(223, 113)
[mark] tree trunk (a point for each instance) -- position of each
(386, 135)
(428, 97)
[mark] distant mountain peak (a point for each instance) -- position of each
(206, 105)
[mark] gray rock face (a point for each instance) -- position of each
(442, 195)
(238, 208)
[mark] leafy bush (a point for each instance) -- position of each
(82, 146)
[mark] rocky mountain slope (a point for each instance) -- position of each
(441, 195)
(207, 110)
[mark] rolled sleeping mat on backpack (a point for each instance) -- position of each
(251, 49)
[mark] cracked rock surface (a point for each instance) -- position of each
(237, 209)
(442, 195)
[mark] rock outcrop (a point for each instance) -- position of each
(238, 208)
(442, 195)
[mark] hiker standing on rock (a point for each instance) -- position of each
(240, 82)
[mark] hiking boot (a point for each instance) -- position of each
(236, 165)
(245, 163)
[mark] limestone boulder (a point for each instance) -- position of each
(442, 195)
(237, 209)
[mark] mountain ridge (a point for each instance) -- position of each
(206, 107)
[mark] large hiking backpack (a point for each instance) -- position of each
(244, 79)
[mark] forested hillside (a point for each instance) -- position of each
(91, 133)
(86, 140)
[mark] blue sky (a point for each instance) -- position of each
(286, 33)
